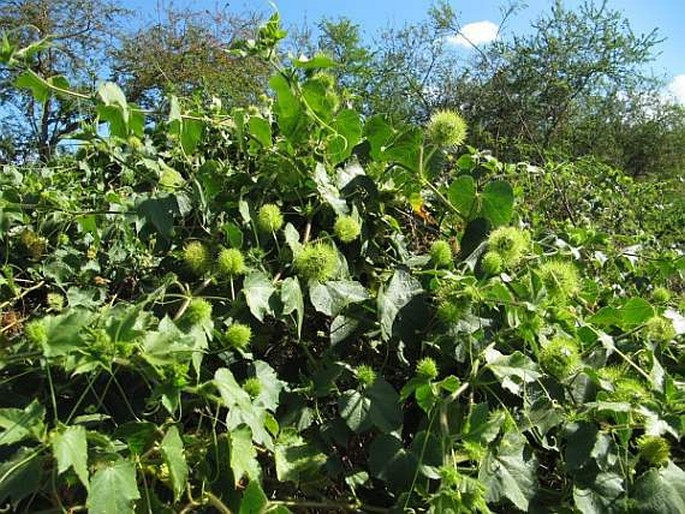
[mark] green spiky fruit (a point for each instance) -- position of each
(659, 330)
(511, 243)
(196, 257)
(560, 279)
(654, 450)
(34, 245)
(492, 263)
(366, 375)
(454, 301)
(661, 295)
(561, 357)
(347, 229)
(269, 218)
(230, 262)
(36, 333)
(199, 311)
(55, 301)
(441, 253)
(239, 336)
(253, 387)
(317, 261)
(427, 368)
(628, 389)
(446, 128)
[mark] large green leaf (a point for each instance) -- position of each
(64, 332)
(661, 491)
(332, 297)
(288, 108)
(296, 459)
(348, 131)
(329, 191)
(635, 311)
(113, 489)
(70, 449)
(258, 289)
(20, 475)
(513, 371)
(596, 493)
(498, 202)
(400, 291)
(174, 457)
(509, 471)
(254, 500)
(462, 194)
(292, 299)
(36, 84)
(354, 408)
(385, 412)
(20, 424)
(243, 455)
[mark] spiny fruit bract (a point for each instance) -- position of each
(55, 301)
(199, 311)
(454, 301)
(269, 218)
(560, 279)
(230, 262)
(35, 332)
(659, 330)
(238, 336)
(347, 229)
(654, 450)
(441, 253)
(560, 357)
(253, 387)
(366, 375)
(33, 244)
(427, 368)
(196, 257)
(447, 128)
(317, 261)
(492, 263)
(510, 243)
(661, 295)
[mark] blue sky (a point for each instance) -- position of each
(668, 16)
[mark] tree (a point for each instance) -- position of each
(577, 84)
(186, 53)
(80, 31)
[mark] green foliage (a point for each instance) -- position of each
(530, 373)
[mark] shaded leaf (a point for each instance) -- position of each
(113, 489)
(70, 449)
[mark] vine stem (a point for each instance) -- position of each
(217, 503)
(328, 505)
(187, 301)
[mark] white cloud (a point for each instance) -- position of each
(677, 88)
(475, 34)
